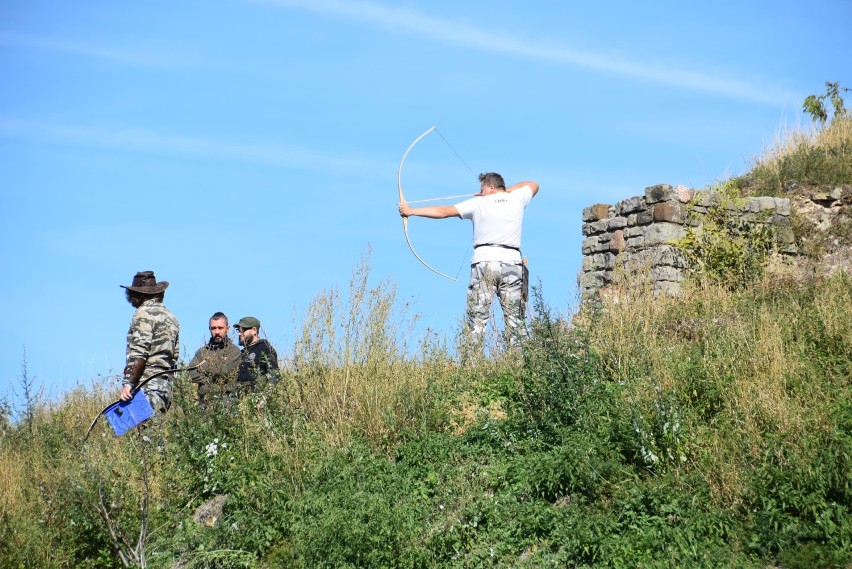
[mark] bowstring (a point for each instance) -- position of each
(470, 244)
(447, 142)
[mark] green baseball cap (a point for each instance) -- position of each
(248, 322)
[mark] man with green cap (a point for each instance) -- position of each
(258, 357)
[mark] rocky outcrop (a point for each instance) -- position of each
(823, 220)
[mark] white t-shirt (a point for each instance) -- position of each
(497, 219)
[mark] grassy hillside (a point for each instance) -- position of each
(815, 156)
(712, 430)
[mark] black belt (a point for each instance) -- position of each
(518, 249)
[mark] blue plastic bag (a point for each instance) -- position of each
(124, 415)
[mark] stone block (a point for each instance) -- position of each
(598, 262)
(641, 218)
(631, 232)
(684, 194)
(630, 205)
(594, 244)
(596, 212)
(782, 206)
(706, 199)
(755, 205)
(663, 232)
(842, 193)
(594, 280)
(779, 220)
(596, 227)
(784, 235)
(766, 203)
(659, 193)
(635, 260)
(667, 255)
(617, 244)
(636, 242)
(617, 223)
(671, 211)
(666, 273)
(644, 217)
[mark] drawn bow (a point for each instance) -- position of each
(402, 198)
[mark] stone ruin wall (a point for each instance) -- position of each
(634, 237)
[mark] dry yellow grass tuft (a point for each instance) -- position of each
(821, 155)
(733, 353)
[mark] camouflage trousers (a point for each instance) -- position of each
(507, 281)
(159, 393)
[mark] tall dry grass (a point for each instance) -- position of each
(745, 362)
(818, 155)
(353, 368)
(55, 485)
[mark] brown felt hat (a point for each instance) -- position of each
(146, 283)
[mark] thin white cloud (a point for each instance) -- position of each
(146, 56)
(150, 142)
(407, 21)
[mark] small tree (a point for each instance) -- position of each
(30, 394)
(814, 105)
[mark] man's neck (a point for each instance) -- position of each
(146, 302)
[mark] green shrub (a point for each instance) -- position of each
(724, 248)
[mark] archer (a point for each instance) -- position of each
(497, 266)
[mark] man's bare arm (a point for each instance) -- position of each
(432, 212)
(132, 374)
(519, 185)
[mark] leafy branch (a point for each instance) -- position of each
(814, 105)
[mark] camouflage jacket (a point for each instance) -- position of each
(219, 367)
(154, 337)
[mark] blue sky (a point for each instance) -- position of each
(247, 151)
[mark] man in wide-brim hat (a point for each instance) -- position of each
(146, 283)
(152, 342)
